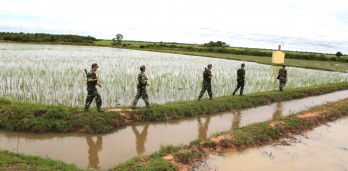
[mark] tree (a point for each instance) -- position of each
(119, 38)
(339, 54)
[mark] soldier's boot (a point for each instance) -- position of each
(280, 88)
(211, 96)
(199, 98)
(241, 93)
(86, 109)
(147, 105)
(99, 109)
(234, 93)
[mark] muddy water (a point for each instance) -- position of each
(105, 151)
(324, 148)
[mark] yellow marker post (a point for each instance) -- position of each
(278, 57)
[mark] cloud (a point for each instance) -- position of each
(238, 22)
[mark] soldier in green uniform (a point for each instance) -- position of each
(141, 88)
(240, 80)
(92, 82)
(206, 85)
(283, 77)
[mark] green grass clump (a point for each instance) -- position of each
(146, 164)
(18, 162)
(185, 157)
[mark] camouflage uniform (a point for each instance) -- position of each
(283, 73)
(92, 91)
(240, 81)
(206, 85)
(141, 90)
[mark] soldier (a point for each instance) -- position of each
(92, 82)
(206, 85)
(141, 88)
(240, 80)
(283, 77)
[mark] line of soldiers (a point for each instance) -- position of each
(92, 82)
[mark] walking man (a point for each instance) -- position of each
(141, 88)
(240, 80)
(206, 85)
(283, 77)
(92, 82)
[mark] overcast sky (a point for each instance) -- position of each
(307, 25)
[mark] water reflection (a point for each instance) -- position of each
(93, 149)
(203, 126)
(237, 116)
(140, 138)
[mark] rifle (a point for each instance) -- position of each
(86, 72)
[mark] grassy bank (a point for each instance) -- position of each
(184, 157)
(174, 110)
(20, 116)
(17, 162)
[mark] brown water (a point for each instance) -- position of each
(322, 149)
(105, 151)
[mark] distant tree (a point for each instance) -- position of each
(339, 54)
(216, 44)
(119, 38)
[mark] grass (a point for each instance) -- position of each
(17, 162)
(254, 135)
(21, 116)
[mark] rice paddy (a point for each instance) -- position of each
(54, 74)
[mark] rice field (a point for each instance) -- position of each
(54, 74)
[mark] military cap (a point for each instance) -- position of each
(95, 65)
(210, 65)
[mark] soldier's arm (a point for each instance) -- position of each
(90, 78)
(143, 80)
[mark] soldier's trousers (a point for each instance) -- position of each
(93, 94)
(282, 83)
(240, 84)
(206, 86)
(141, 92)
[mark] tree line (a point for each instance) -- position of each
(44, 37)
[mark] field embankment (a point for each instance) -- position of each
(20, 116)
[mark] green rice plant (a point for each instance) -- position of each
(53, 74)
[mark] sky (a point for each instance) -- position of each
(301, 25)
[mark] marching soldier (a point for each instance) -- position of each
(283, 77)
(206, 85)
(240, 80)
(141, 88)
(92, 82)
